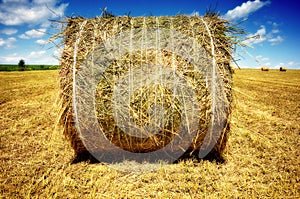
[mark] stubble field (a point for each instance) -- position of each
(262, 155)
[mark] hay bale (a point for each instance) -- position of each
(265, 69)
(82, 37)
(282, 69)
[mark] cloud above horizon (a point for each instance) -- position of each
(37, 12)
(265, 34)
(8, 31)
(244, 10)
(34, 33)
(7, 43)
(32, 57)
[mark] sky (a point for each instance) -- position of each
(272, 26)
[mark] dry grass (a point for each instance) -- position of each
(262, 156)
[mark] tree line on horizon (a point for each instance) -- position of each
(21, 66)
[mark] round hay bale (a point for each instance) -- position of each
(105, 59)
(282, 69)
(265, 69)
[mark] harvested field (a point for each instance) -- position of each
(262, 155)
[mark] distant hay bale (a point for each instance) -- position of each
(83, 36)
(265, 69)
(282, 69)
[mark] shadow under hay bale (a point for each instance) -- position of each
(83, 36)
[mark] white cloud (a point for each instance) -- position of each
(265, 61)
(262, 35)
(7, 43)
(257, 37)
(43, 1)
(244, 10)
(41, 41)
(273, 36)
(275, 40)
(261, 58)
(35, 54)
(290, 64)
(274, 24)
(46, 59)
(11, 59)
(23, 36)
(279, 65)
(262, 31)
(41, 57)
(34, 57)
(35, 33)
(57, 52)
(2, 42)
(8, 31)
(37, 12)
(15, 1)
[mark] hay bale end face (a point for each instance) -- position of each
(83, 36)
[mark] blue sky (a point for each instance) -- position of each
(25, 26)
